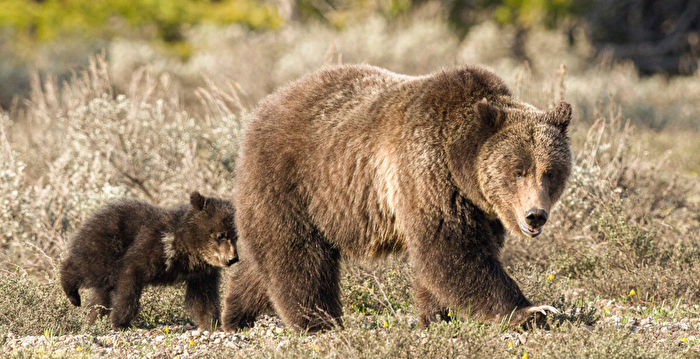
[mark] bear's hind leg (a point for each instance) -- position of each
(246, 297)
(303, 271)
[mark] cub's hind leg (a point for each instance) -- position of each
(71, 280)
(100, 303)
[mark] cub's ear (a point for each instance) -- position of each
(197, 201)
(560, 116)
(489, 115)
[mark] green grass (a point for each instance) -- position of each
(583, 330)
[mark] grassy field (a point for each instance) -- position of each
(621, 256)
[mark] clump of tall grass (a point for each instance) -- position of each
(84, 145)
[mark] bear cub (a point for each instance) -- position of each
(130, 244)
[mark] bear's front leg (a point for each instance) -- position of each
(428, 306)
(454, 261)
(127, 295)
(202, 298)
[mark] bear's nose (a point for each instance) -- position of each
(232, 261)
(536, 217)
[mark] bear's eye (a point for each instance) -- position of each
(518, 174)
(221, 237)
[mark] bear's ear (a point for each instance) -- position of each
(560, 116)
(489, 115)
(197, 201)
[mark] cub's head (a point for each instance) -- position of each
(215, 231)
(523, 166)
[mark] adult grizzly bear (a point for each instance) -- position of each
(356, 161)
(130, 244)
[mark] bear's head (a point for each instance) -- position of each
(212, 223)
(522, 165)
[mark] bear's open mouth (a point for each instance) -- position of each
(532, 232)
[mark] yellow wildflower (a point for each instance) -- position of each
(191, 342)
(684, 340)
(510, 344)
(386, 324)
(316, 347)
(632, 292)
(78, 349)
(607, 310)
(525, 356)
(167, 330)
(46, 333)
(551, 277)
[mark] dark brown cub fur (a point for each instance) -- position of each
(130, 244)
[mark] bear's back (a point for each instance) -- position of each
(343, 143)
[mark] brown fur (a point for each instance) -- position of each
(356, 161)
(130, 244)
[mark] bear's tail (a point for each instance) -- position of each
(70, 281)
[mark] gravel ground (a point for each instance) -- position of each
(161, 342)
(189, 342)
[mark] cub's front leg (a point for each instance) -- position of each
(202, 298)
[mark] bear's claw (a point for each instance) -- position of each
(543, 309)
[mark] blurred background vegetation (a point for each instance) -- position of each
(147, 99)
(55, 36)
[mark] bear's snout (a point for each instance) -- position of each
(536, 217)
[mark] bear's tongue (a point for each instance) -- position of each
(529, 230)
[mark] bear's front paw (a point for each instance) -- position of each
(533, 315)
(543, 309)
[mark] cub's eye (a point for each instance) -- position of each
(221, 237)
(518, 174)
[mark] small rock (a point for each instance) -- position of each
(282, 344)
(196, 333)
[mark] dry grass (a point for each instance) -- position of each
(141, 125)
